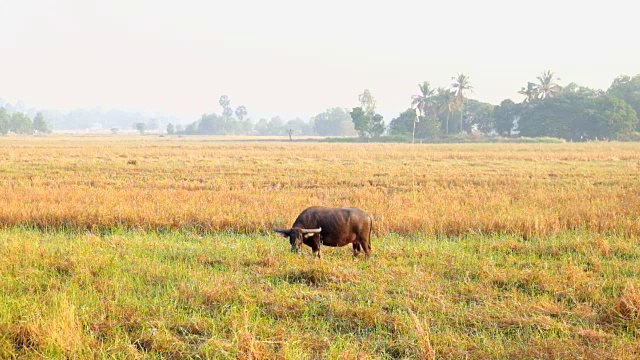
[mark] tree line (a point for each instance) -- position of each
(21, 123)
(332, 122)
(572, 112)
(83, 119)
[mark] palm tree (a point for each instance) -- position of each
(548, 88)
(446, 100)
(226, 110)
(241, 112)
(422, 102)
(460, 85)
(224, 101)
(530, 92)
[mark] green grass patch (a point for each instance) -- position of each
(132, 294)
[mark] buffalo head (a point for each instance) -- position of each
(297, 235)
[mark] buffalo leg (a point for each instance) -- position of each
(315, 246)
(317, 252)
(366, 246)
(367, 249)
(356, 249)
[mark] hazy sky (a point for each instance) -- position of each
(295, 58)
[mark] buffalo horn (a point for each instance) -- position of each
(307, 231)
(283, 231)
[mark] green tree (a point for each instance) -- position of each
(233, 126)
(275, 126)
(479, 117)
(333, 122)
(366, 121)
(506, 116)
(460, 85)
(299, 126)
(427, 127)
(40, 125)
(367, 103)
(247, 126)
(262, 127)
(608, 116)
(5, 121)
(171, 129)
(404, 123)
(141, 127)
(360, 121)
(578, 113)
(153, 124)
(627, 88)
(20, 123)
(367, 127)
(211, 124)
(376, 127)
(192, 128)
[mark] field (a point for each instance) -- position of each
(144, 246)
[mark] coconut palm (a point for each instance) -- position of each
(422, 102)
(530, 92)
(547, 87)
(460, 85)
(446, 101)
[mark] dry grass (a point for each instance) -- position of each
(428, 353)
(628, 305)
(178, 260)
(177, 183)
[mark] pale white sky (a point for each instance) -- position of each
(295, 58)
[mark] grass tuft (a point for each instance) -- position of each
(627, 306)
(424, 335)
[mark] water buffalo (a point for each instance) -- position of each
(320, 225)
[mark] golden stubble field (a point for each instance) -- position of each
(153, 182)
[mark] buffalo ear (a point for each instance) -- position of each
(283, 232)
(308, 235)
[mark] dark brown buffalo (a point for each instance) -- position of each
(320, 225)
